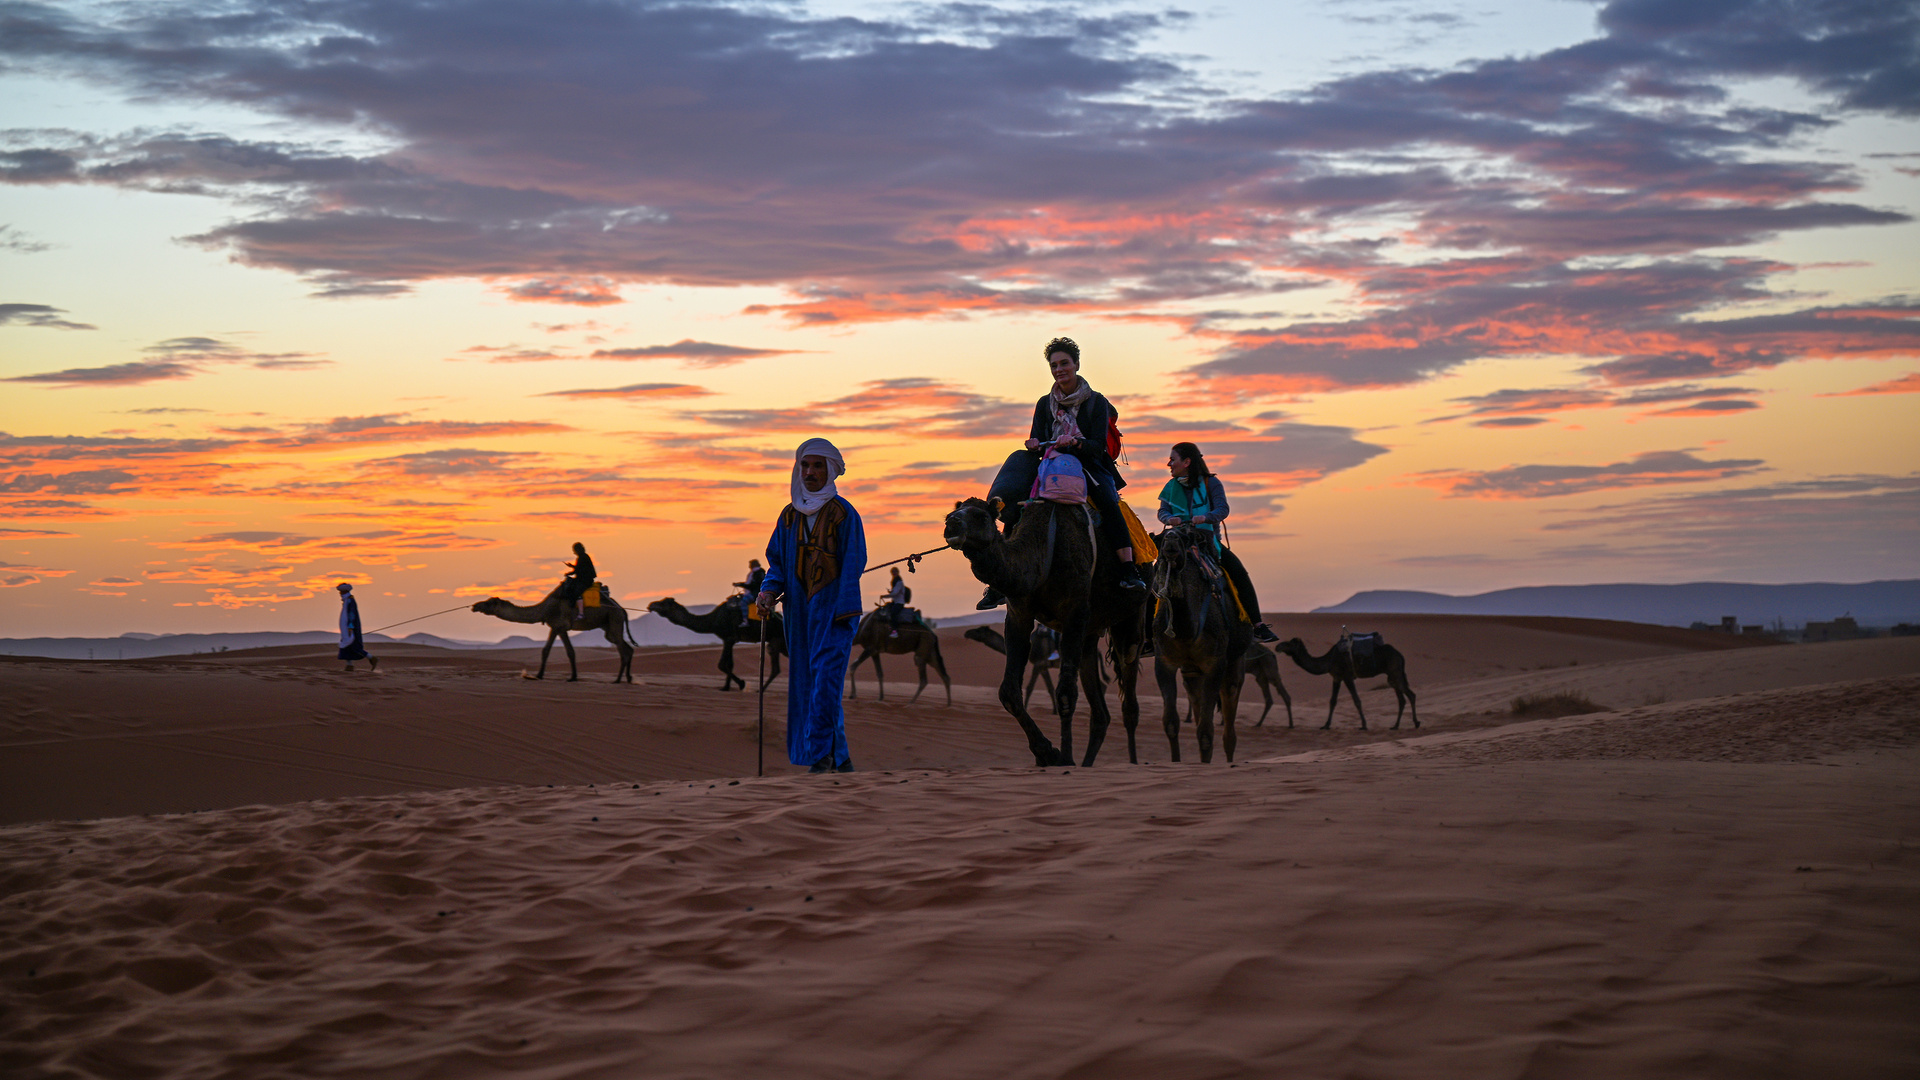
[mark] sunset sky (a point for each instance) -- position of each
(1456, 296)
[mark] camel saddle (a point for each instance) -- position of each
(1361, 646)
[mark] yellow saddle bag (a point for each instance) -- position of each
(1143, 549)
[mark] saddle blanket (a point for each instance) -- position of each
(1362, 645)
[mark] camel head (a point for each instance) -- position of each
(988, 636)
(971, 526)
(663, 605)
(487, 606)
(1293, 647)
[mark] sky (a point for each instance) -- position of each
(1454, 296)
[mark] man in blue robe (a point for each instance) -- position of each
(815, 559)
(351, 646)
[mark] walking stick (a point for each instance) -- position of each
(760, 736)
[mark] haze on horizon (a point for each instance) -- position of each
(1456, 297)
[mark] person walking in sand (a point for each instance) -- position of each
(814, 560)
(351, 647)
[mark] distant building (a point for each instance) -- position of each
(1840, 629)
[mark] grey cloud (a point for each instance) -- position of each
(884, 167)
(39, 315)
(129, 374)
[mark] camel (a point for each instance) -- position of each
(1043, 650)
(1198, 637)
(1054, 572)
(872, 639)
(1262, 666)
(723, 622)
(1265, 669)
(559, 618)
(1340, 662)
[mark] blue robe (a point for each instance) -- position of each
(821, 586)
(351, 647)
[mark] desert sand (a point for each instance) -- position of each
(254, 865)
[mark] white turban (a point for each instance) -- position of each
(810, 502)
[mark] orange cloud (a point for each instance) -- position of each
(1905, 384)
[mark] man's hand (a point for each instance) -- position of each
(1176, 520)
(1033, 444)
(765, 603)
(1064, 444)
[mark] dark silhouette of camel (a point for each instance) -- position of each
(1265, 669)
(723, 622)
(558, 616)
(1345, 667)
(1053, 572)
(1043, 650)
(1199, 638)
(871, 637)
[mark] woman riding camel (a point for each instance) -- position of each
(1074, 419)
(1196, 496)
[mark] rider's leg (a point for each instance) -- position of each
(1243, 584)
(1113, 527)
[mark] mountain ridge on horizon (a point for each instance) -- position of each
(1870, 603)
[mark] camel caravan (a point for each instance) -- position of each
(1074, 568)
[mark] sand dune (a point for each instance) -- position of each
(1724, 882)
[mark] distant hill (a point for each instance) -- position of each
(144, 646)
(1872, 603)
(648, 629)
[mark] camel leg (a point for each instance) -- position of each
(879, 677)
(1127, 678)
(1265, 693)
(1404, 695)
(1203, 699)
(940, 665)
(573, 665)
(1170, 705)
(726, 666)
(1282, 687)
(626, 654)
(1355, 695)
(853, 674)
(1332, 705)
(1098, 717)
(774, 649)
(1073, 651)
(1043, 751)
(920, 665)
(1230, 705)
(545, 651)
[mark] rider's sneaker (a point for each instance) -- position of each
(1263, 632)
(990, 599)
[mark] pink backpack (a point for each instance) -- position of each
(1061, 479)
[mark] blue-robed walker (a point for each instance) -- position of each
(352, 647)
(815, 559)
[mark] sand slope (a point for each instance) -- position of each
(1723, 883)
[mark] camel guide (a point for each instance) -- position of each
(814, 560)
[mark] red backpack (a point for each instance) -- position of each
(1113, 436)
